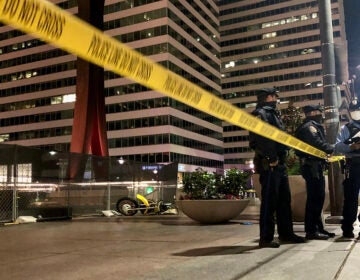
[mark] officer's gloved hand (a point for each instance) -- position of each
(327, 159)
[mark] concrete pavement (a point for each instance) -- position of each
(167, 247)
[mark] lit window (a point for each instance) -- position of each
(146, 17)
(28, 75)
(56, 100)
(307, 51)
(304, 17)
(269, 35)
(69, 98)
(4, 137)
(292, 19)
(230, 64)
(24, 173)
(3, 173)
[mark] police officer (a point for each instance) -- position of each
(312, 132)
(348, 144)
(269, 162)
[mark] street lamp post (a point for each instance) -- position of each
(332, 123)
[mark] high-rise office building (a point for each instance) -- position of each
(273, 43)
(227, 47)
(38, 81)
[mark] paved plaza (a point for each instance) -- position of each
(167, 247)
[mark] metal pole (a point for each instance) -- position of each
(108, 198)
(330, 100)
(14, 174)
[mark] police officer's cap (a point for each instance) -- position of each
(310, 108)
(264, 92)
(354, 105)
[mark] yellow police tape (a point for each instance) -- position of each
(58, 27)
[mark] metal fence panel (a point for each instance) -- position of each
(47, 184)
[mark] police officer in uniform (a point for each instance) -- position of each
(269, 162)
(348, 144)
(312, 132)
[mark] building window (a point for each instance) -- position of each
(269, 35)
(24, 173)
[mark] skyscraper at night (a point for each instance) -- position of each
(38, 85)
(272, 43)
(229, 48)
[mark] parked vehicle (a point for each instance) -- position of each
(129, 207)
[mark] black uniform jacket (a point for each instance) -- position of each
(266, 148)
(313, 133)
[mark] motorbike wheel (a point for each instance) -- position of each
(126, 206)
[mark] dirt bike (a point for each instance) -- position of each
(129, 207)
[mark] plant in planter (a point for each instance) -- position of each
(213, 198)
(292, 118)
(233, 183)
(200, 185)
(293, 163)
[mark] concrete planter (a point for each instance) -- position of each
(212, 211)
(298, 195)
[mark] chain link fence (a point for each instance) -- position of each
(54, 185)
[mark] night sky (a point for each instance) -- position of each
(352, 23)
